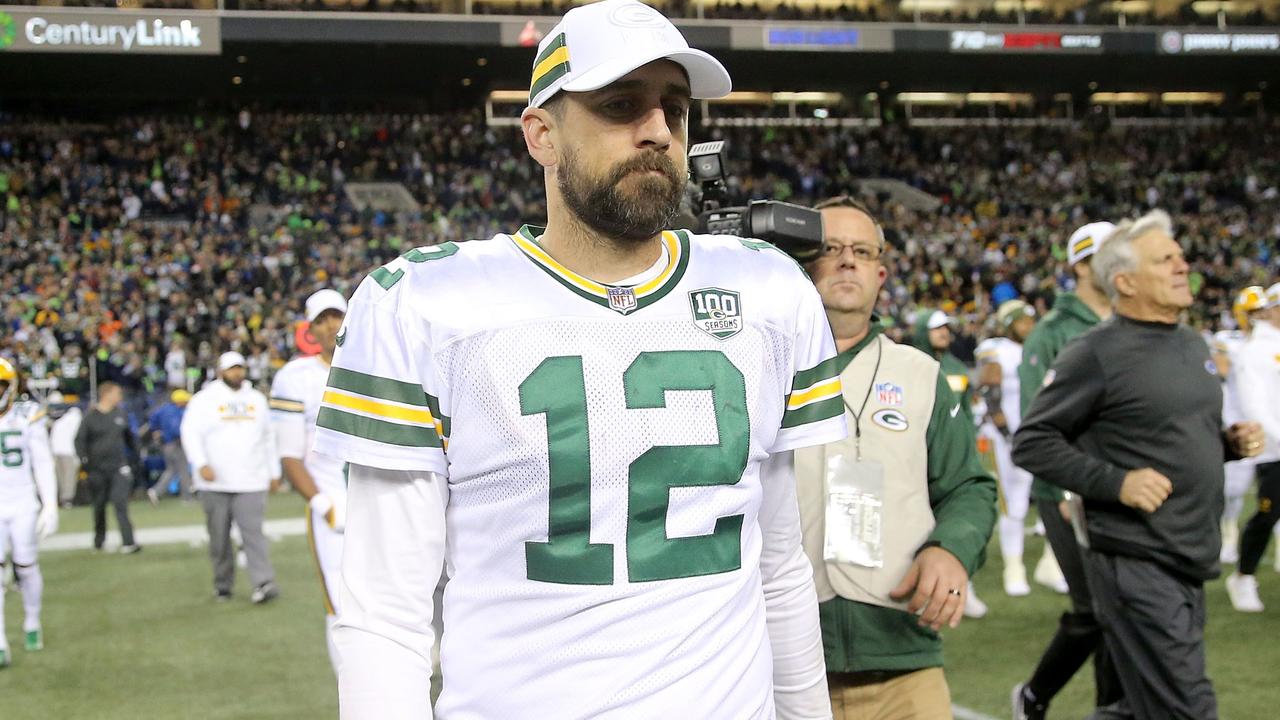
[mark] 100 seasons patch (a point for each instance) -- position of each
(716, 312)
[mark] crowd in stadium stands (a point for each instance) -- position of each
(154, 243)
(1087, 13)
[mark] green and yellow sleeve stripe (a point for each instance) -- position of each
(815, 395)
(286, 405)
(383, 410)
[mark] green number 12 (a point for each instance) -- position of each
(557, 389)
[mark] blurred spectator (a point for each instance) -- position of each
(252, 214)
(227, 436)
(166, 422)
(62, 441)
(103, 444)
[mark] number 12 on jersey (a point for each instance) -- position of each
(557, 389)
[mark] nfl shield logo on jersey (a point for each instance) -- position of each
(716, 312)
(622, 299)
(889, 394)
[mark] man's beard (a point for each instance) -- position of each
(602, 206)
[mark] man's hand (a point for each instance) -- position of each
(936, 583)
(206, 473)
(47, 521)
(1246, 438)
(1145, 489)
(1064, 509)
(334, 514)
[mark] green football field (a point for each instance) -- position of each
(141, 637)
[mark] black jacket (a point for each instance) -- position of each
(104, 441)
(1128, 395)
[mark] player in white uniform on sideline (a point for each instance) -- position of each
(320, 479)
(998, 360)
(599, 418)
(1226, 346)
(28, 503)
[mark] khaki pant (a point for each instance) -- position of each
(919, 695)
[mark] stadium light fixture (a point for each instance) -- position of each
(926, 5)
(1010, 6)
(808, 98)
(743, 98)
(1192, 98)
(1122, 98)
(1130, 6)
(1213, 7)
(509, 96)
(999, 98)
(930, 98)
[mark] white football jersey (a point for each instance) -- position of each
(24, 447)
(295, 398)
(1230, 343)
(603, 447)
(1008, 353)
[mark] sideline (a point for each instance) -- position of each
(193, 535)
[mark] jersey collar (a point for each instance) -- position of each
(619, 298)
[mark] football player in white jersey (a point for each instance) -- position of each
(596, 420)
(1239, 474)
(1249, 303)
(28, 502)
(296, 391)
(998, 361)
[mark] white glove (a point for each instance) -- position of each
(47, 521)
(334, 514)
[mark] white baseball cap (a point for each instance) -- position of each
(594, 45)
(1086, 241)
(1273, 296)
(938, 319)
(1010, 310)
(228, 360)
(322, 300)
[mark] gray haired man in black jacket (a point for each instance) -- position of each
(1130, 419)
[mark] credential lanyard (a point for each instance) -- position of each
(857, 416)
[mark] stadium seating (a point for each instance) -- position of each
(119, 232)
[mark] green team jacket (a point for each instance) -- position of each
(1068, 318)
(956, 372)
(858, 636)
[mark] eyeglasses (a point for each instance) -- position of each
(861, 253)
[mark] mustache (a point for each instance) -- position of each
(650, 160)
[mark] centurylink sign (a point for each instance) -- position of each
(168, 33)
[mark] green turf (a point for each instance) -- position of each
(170, 512)
(141, 637)
(986, 658)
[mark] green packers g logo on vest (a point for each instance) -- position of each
(8, 30)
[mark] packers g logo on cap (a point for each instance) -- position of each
(636, 16)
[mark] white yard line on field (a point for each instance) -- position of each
(191, 534)
(963, 713)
